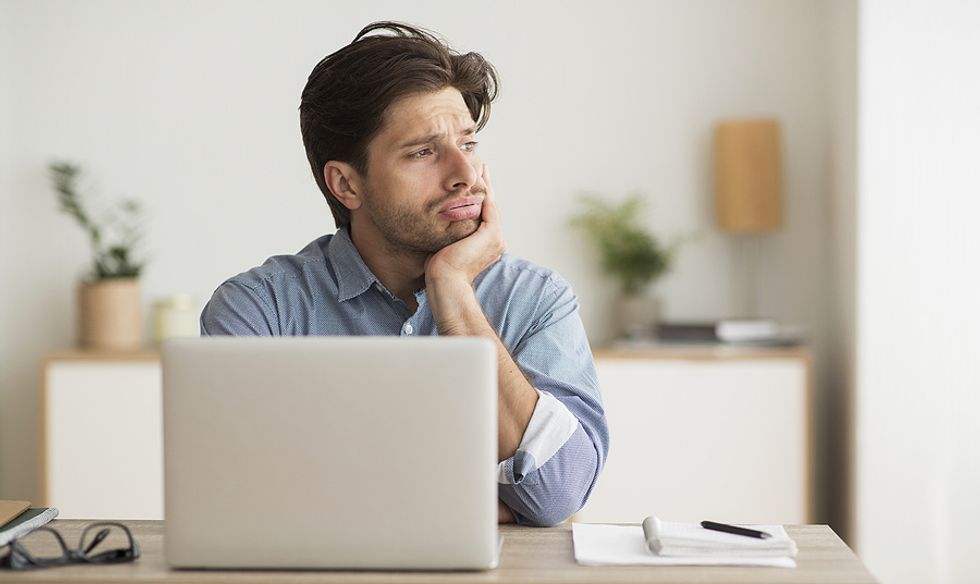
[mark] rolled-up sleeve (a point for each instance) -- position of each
(565, 445)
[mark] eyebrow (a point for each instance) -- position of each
(432, 137)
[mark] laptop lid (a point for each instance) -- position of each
(330, 452)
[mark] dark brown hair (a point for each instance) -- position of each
(348, 92)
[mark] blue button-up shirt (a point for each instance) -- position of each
(327, 289)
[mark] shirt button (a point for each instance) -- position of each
(407, 328)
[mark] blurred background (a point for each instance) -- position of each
(191, 109)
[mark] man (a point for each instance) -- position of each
(389, 123)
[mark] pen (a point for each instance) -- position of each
(735, 529)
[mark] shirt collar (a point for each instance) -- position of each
(353, 276)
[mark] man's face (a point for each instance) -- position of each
(423, 189)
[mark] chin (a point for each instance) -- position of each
(434, 241)
(462, 229)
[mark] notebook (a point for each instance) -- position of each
(10, 509)
(596, 544)
(667, 538)
(25, 521)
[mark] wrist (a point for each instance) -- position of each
(455, 307)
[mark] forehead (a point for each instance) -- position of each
(420, 114)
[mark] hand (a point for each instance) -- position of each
(464, 260)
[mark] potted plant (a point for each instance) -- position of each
(630, 253)
(110, 314)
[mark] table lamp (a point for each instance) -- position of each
(748, 188)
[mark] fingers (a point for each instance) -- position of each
(490, 201)
(491, 217)
(485, 175)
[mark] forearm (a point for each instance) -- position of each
(458, 313)
(516, 399)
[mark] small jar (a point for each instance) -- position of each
(175, 317)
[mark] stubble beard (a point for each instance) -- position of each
(409, 232)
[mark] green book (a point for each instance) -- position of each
(26, 522)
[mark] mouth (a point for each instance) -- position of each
(462, 208)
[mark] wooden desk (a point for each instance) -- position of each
(530, 555)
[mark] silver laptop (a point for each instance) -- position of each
(330, 452)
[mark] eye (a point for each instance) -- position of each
(421, 153)
(470, 146)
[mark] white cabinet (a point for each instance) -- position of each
(101, 436)
(694, 434)
(705, 433)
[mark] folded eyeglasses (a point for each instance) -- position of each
(44, 547)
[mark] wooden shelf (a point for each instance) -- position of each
(698, 351)
(144, 354)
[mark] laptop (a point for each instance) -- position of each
(374, 453)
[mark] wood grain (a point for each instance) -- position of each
(530, 555)
(144, 354)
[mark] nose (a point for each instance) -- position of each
(461, 170)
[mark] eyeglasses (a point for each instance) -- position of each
(44, 548)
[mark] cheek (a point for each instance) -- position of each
(426, 179)
(398, 182)
(477, 163)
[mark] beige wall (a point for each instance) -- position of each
(192, 108)
(836, 409)
(16, 439)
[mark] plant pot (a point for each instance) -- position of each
(638, 315)
(110, 315)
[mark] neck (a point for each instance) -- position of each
(401, 272)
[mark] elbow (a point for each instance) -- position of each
(558, 490)
(554, 513)
(553, 506)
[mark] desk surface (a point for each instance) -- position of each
(529, 555)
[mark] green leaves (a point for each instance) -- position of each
(121, 229)
(628, 250)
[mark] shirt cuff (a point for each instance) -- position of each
(550, 427)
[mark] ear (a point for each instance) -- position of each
(344, 182)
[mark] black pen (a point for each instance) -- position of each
(735, 529)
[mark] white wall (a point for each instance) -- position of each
(918, 376)
(191, 107)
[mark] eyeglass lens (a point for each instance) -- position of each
(100, 543)
(41, 546)
(104, 542)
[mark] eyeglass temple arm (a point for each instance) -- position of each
(102, 534)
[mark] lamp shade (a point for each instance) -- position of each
(748, 176)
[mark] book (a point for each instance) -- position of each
(754, 331)
(687, 332)
(747, 330)
(676, 539)
(10, 509)
(26, 522)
